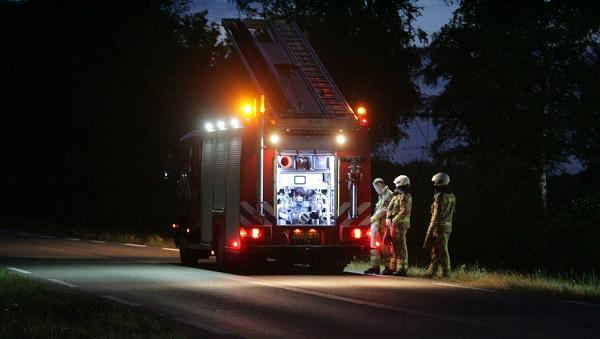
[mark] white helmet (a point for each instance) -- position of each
(441, 179)
(377, 181)
(402, 180)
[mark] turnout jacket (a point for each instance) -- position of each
(442, 212)
(381, 206)
(399, 210)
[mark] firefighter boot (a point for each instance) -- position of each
(375, 263)
(389, 270)
(431, 271)
(402, 269)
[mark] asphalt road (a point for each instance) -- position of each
(290, 303)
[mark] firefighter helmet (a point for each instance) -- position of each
(402, 180)
(378, 180)
(378, 185)
(441, 179)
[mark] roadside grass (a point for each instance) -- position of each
(581, 287)
(32, 309)
(111, 234)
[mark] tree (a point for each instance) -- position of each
(367, 46)
(96, 93)
(508, 109)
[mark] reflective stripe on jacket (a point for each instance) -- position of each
(399, 209)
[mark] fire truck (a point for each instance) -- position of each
(287, 180)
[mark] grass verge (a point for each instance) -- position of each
(583, 287)
(31, 309)
(89, 233)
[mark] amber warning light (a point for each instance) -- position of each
(362, 116)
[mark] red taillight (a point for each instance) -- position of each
(254, 233)
(235, 245)
(369, 233)
(377, 244)
(363, 121)
(356, 233)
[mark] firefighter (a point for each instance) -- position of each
(440, 226)
(399, 223)
(377, 226)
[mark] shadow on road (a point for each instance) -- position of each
(270, 268)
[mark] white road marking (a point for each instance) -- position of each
(64, 283)
(46, 236)
(24, 234)
(18, 270)
(98, 241)
(171, 249)
(121, 301)
(133, 245)
(580, 303)
(73, 239)
(465, 287)
(201, 326)
(360, 302)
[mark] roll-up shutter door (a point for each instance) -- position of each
(220, 174)
(208, 169)
(233, 183)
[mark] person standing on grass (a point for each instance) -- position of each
(378, 228)
(398, 221)
(440, 226)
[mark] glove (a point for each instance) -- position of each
(428, 243)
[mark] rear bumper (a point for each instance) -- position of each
(302, 252)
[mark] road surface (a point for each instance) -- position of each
(290, 303)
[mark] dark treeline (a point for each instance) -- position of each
(96, 93)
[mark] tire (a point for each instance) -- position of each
(188, 257)
(224, 260)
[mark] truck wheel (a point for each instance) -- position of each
(188, 258)
(225, 262)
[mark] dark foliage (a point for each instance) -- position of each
(517, 103)
(95, 92)
(369, 49)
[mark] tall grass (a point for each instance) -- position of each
(580, 287)
(113, 233)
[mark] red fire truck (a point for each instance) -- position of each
(289, 179)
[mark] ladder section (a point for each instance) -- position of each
(314, 72)
(258, 64)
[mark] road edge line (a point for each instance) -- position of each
(64, 283)
(132, 245)
(465, 287)
(18, 270)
